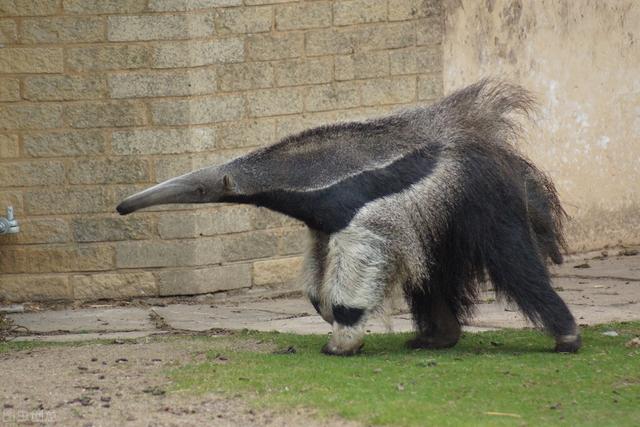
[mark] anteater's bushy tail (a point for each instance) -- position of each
(485, 112)
(487, 109)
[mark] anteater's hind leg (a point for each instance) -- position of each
(435, 321)
(517, 270)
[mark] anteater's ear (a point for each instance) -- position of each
(229, 184)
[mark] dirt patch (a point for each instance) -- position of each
(122, 384)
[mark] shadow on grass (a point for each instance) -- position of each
(508, 342)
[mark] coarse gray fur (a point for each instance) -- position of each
(432, 200)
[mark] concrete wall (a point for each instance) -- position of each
(101, 98)
(582, 60)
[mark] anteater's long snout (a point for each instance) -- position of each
(201, 186)
(161, 194)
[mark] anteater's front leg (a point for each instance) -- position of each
(313, 271)
(354, 284)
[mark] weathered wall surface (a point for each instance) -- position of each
(99, 99)
(582, 60)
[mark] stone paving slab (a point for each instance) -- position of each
(314, 324)
(91, 336)
(290, 306)
(198, 318)
(202, 317)
(617, 267)
(592, 291)
(609, 290)
(593, 315)
(85, 320)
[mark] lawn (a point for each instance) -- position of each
(494, 378)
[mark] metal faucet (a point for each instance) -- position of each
(9, 225)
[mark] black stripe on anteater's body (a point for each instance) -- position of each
(431, 200)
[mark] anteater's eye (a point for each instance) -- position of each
(200, 190)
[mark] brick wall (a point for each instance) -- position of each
(101, 98)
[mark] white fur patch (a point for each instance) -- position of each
(357, 269)
(402, 219)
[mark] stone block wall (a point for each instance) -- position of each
(101, 98)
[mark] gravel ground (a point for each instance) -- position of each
(121, 384)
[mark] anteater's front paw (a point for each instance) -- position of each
(334, 350)
(345, 340)
(568, 343)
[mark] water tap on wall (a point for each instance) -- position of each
(9, 225)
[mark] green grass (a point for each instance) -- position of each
(493, 378)
(6, 346)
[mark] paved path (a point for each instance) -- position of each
(598, 290)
